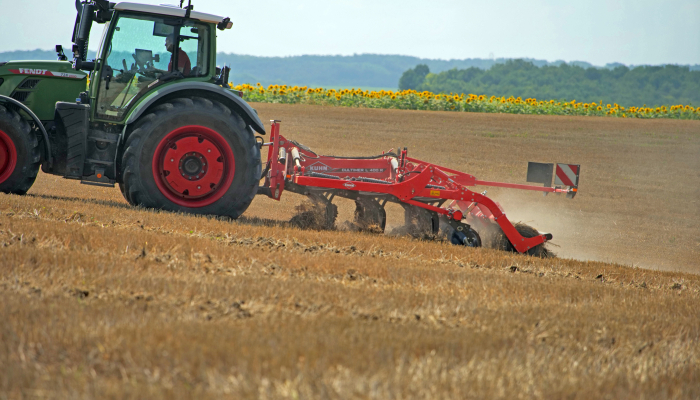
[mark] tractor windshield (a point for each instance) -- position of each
(141, 50)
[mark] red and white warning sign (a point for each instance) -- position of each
(567, 174)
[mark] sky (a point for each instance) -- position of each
(597, 31)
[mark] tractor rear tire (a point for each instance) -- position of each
(19, 153)
(191, 155)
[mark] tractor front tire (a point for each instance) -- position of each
(191, 155)
(19, 153)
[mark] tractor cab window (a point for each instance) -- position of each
(140, 51)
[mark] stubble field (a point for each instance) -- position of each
(102, 300)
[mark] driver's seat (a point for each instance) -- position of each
(194, 72)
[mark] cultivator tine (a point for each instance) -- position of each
(421, 223)
(329, 210)
(370, 214)
(318, 213)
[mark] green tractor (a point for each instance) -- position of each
(155, 117)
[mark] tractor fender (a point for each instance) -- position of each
(47, 144)
(236, 103)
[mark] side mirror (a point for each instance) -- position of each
(156, 58)
(225, 24)
(222, 78)
(60, 54)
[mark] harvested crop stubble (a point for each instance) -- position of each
(99, 299)
(133, 302)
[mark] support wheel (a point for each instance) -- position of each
(191, 155)
(19, 153)
(466, 236)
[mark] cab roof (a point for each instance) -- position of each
(171, 11)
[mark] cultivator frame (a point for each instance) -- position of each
(390, 177)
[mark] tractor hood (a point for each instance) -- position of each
(40, 84)
(55, 69)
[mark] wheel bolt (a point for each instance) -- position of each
(172, 160)
(199, 187)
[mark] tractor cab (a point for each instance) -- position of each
(143, 46)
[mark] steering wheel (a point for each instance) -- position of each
(144, 68)
(149, 72)
(125, 74)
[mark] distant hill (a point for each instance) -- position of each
(37, 54)
(360, 70)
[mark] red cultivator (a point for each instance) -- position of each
(425, 190)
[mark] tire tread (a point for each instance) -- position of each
(30, 169)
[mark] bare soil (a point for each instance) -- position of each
(102, 300)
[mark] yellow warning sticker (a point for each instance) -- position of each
(435, 193)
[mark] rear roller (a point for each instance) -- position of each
(501, 242)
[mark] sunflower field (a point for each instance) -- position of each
(413, 100)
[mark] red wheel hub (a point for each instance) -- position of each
(193, 166)
(8, 156)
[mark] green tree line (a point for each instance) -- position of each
(650, 85)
